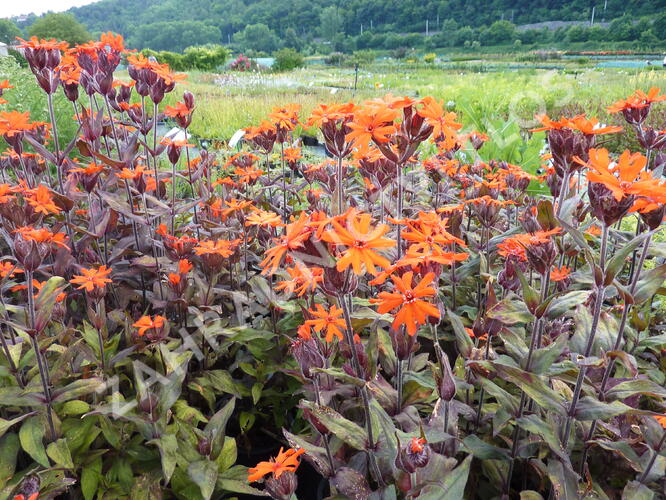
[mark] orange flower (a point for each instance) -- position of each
(13, 122)
(637, 100)
(285, 117)
(361, 239)
(412, 312)
(416, 445)
(112, 40)
(304, 332)
(89, 170)
(619, 178)
(180, 110)
(179, 143)
(92, 278)
(508, 246)
(549, 124)
(294, 236)
(580, 123)
(140, 61)
(38, 285)
(21, 496)
(442, 123)
(164, 72)
(591, 126)
(235, 205)
(5, 85)
(330, 320)
(560, 274)
(248, 175)
(36, 43)
(661, 419)
(8, 269)
(146, 323)
(42, 235)
(302, 279)
(223, 248)
(120, 83)
(184, 267)
(511, 247)
(324, 113)
(129, 174)
(292, 155)
(371, 123)
(286, 461)
(428, 232)
(6, 193)
(263, 218)
(416, 258)
(41, 201)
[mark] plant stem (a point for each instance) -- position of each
(41, 363)
(284, 184)
(398, 167)
(655, 454)
(634, 276)
(324, 437)
(523, 397)
(598, 302)
(56, 145)
(349, 337)
(340, 186)
(100, 338)
(189, 175)
(399, 381)
(481, 392)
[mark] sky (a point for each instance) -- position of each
(11, 8)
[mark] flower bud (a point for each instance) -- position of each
(338, 283)
(446, 383)
(204, 446)
(188, 99)
(654, 218)
(308, 356)
(604, 205)
(283, 487)
(148, 405)
(413, 456)
(29, 487)
(403, 343)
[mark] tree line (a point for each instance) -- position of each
(329, 25)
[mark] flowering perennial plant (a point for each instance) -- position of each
(405, 318)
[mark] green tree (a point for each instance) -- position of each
(292, 40)
(257, 37)
(8, 31)
(174, 36)
(330, 22)
(500, 32)
(659, 26)
(60, 26)
(205, 57)
(287, 59)
(577, 34)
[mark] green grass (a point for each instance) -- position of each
(479, 98)
(482, 91)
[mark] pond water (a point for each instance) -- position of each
(622, 61)
(629, 63)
